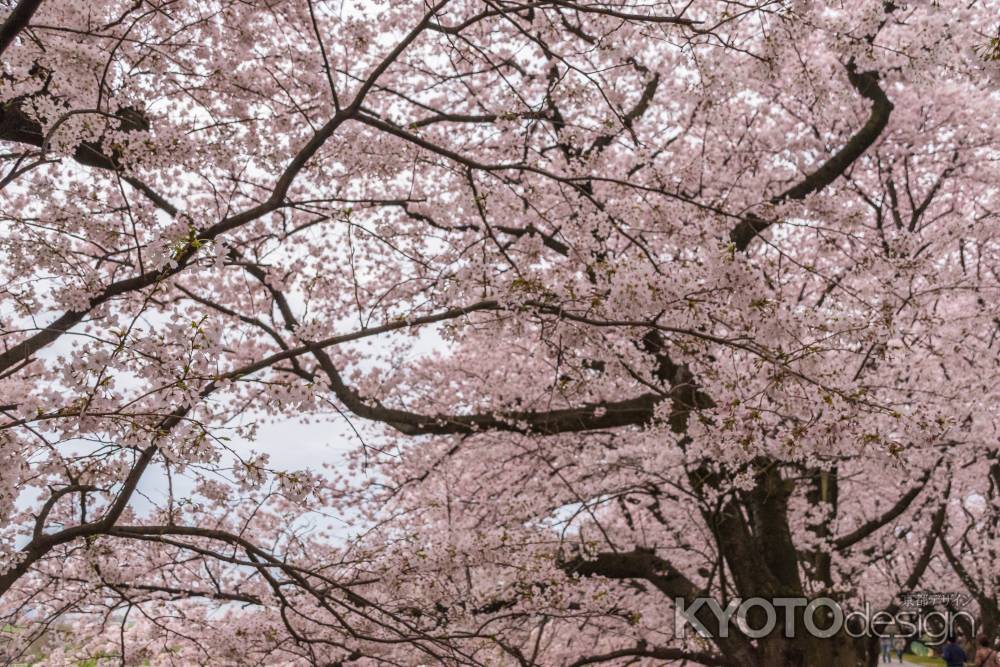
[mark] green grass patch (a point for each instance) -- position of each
(921, 660)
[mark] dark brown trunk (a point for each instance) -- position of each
(840, 650)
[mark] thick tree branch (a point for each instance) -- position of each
(17, 21)
(891, 514)
(867, 85)
(656, 653)
(645, 565)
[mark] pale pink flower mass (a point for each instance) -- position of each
(461, 332)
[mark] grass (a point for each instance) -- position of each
(920, 660)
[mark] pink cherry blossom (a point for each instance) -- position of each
(618, 304)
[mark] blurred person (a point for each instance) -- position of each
(985, 655)
(953, 654)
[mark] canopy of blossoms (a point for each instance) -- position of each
(622, 304)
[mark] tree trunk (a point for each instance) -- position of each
(841, 650)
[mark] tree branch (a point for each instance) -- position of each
(866, 84)
(17, 21)
(892, 513)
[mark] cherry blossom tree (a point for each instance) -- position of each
(971, 539)
(626, 303)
